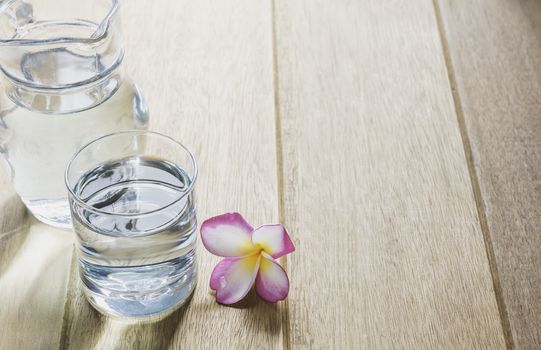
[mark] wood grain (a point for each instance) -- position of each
(34, 265)
(206, 70)
(389, 248)
(495, 55)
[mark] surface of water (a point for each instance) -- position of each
(137, 236)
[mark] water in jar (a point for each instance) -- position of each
(39, 145)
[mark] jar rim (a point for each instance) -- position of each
(97, 36)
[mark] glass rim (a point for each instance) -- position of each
(86, 206)
(99, 35)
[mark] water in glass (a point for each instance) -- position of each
(137, 234)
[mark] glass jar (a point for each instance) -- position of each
(62, 85)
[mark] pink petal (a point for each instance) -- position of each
(274, 240)
(271, 283)
(233, 278)
(227, 235)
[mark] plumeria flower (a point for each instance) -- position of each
(249, 258)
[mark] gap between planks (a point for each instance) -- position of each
(286, 339)
(504, 317)
(73, 274)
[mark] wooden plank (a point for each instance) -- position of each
(495, 54)
(206, 69)
(389, 248)
(34, 265)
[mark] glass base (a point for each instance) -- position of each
(53, 212)
(131, 311)
(144, 292)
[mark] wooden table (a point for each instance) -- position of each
(399, 142)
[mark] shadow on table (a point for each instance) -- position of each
(85, 328)
(259, 315)
(265, 316)
(159, 334)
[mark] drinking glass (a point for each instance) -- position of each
(133, 211)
